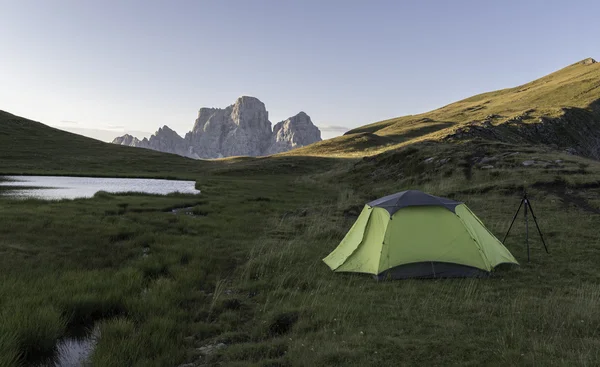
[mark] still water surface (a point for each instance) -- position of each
(55, 187)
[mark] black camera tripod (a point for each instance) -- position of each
(525, 200)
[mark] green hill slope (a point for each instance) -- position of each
(574, 90)
(29, 147)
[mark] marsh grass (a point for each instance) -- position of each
(9, 348)
(30, 332)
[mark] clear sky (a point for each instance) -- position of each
(137, 65)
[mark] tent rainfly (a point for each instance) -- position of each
(412, 234)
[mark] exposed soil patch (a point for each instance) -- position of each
(568, 197)
(283, 323)
(504, 190)
(120, 236)
(260, 198)
(467, 166)
(566, 171)
(353, 211)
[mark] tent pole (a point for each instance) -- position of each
(537, 226)
(513, 221)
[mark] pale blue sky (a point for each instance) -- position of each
(137, 65)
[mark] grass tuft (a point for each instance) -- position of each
(31, 333)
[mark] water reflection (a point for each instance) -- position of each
(64, 187)
(75, 351)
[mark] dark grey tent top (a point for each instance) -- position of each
(393, 203)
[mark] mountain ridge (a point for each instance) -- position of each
(240, 129)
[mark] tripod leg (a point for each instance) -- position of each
(513, 221)
(537, 226)
(526, 230)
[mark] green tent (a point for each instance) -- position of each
(411, 234)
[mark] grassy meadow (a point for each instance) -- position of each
(246, 269)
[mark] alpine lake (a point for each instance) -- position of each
(57, 187)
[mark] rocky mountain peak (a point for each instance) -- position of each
(127, 140)
(242, 128)
(300, 119)
(250, 102)
(296, 131)
(123, 139)
(165, 131)
(165, 128)
(250, 111)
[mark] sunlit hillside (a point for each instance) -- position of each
(574, 87)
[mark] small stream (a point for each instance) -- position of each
(73, 350)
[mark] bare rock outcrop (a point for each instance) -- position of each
(577, 131)
(589, 61)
